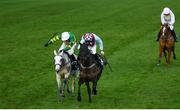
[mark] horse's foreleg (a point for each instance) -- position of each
(64, 87)
(58, 79)
(73, 85)
(165, 54)
(160, 55)
(94, 87)
(67, 85)
(88, 90)
(79, 90)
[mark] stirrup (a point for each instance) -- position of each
(73, 63)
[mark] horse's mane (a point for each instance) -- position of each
(64, 55)
(84, 50)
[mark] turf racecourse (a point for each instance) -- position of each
(128, 29)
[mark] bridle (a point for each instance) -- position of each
(60, 64)
(85, 67)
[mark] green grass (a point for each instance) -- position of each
(128, 29)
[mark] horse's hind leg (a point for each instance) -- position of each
(94, 87)
(79, 89)
(160, 55)
(88, 90)
(73, 85)
(68, 91)
(173, 50)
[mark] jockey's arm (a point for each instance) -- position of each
(63, 46)
(52, 40)
(172, 18)
(82, 40)
(99, 42)
(162, 19)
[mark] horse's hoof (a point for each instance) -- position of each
(61, 99)
(94, 93)
(79, 98)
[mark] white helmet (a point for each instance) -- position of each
(65, 36)
(166, 11)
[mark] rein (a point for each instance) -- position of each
(89, 67)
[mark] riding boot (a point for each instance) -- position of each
(174, 35)
(73, 62)
(98, 60)
(158, 36)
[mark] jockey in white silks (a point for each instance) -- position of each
(68, 45)
(168, 17)
(92, 40)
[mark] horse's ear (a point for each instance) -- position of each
(55, 53)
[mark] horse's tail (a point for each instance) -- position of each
(173, 50)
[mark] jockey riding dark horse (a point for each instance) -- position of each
(91, 40)
(89, 71)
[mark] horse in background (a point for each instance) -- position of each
(166, 43)
(89, 71)
(64, 71)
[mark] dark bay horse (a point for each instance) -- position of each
(89, 71)
(166, 43)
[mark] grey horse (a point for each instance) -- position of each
(64, 72)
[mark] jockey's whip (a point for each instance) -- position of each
(108, 63)
(51, 40)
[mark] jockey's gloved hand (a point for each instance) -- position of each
(102, 52)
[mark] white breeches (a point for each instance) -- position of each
(92, 49)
